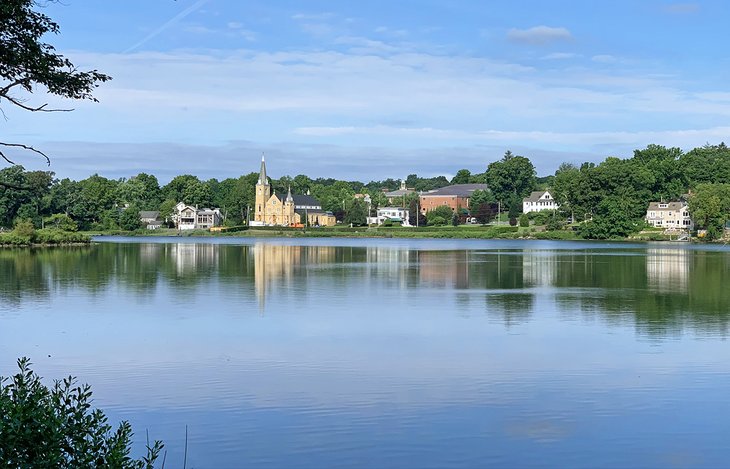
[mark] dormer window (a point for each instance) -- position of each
(663, 205)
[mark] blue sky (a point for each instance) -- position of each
(370, 90)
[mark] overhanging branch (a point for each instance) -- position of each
(25, 147)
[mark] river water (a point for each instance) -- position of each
(387, 353)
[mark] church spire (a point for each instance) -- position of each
(289, 198)
(262, 175)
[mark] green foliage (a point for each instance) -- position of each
(524, 221)
(479, 197)
(24, 228)
(61, 221)
(129, 219)
(710, 207)
(484, 212)
(612, 220)
(463, 176)
(356, 213)
(455, 219)
(439, 216)
(511, 178)
(42, 427)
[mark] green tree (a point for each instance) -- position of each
(463, 176)
(479, 197)
(27, 63)
(129, 219)
(356, 213)
(709, 205)
(43, 427)
(511, 178)
(524, 220)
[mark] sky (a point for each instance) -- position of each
(378, 89)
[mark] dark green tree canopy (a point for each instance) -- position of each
(28, 64)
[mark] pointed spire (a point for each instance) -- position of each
(289, 198)
(262, 175)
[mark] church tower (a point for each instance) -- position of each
(289, 208)
(263, 193)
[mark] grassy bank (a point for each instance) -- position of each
(44, 237)
(448, 232)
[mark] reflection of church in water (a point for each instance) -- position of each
(280, 270)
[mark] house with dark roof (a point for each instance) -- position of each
(150, 219)
(455, 196)
(539, 201)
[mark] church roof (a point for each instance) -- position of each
(305, 200)
(262, 174)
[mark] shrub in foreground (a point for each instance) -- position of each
(42, 427)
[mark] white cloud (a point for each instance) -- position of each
(560, 56)
(539, 35)
(604, 59)
(407, 103)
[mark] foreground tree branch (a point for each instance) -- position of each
(27, 63)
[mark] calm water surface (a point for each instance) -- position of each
(388, 353)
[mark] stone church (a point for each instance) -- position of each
(274, 209)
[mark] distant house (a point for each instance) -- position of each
(669, 215)
(395, 214)
(188, 217)
(539, 201)
(456, 197)
(150, 219)
(399, 194)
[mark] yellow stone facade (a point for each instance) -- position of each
(271, 208)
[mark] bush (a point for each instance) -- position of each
(524, 221)
(43, 427)
(24, 228)
(61, 221)
(436, 221)
(513, 221)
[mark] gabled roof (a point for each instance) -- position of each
(670, 206)
(305, 200)
(148, 214)
(535, 196)
(458, 190)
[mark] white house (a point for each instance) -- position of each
(395, 214)
(669, 215)
(187, 217)
(539, 201)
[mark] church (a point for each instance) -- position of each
(274, 209)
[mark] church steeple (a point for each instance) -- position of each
(262, 175)
(289, 198)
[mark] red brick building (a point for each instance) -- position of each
(456, 197)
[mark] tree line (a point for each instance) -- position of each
(608, 199)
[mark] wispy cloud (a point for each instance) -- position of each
(539, 35)
(560, 56)
(167, 24)
(681, 8)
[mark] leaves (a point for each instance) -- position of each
(57, 427)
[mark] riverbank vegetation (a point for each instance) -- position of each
(56, 426)
(607, 200)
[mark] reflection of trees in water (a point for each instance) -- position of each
(512, 308)
(662, 293)
(659, 291)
